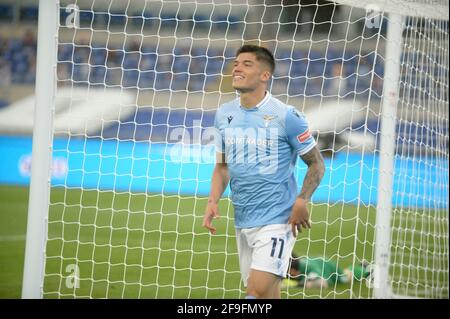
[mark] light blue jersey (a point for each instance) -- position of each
(261, 147)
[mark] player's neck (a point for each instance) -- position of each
(252, 98)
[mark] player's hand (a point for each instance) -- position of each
(299, 216)
(211, 212)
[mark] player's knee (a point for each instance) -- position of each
(255, 293)
(256, 289)
(263, 288)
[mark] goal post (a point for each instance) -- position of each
(42, 150)
(126, 93)
(387, 149)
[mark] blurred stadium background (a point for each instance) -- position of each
(171, 63)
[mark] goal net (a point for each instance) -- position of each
(138, 84)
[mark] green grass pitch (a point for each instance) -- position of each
(149, 246)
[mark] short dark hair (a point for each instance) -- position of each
(261, 53)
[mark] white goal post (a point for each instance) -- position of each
(126, 93)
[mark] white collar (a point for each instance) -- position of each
(264, 100)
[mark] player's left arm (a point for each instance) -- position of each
(314, 174)
(303, 143)
(316, 169)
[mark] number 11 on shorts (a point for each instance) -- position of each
(274, 246)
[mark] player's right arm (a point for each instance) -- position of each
(219, 182)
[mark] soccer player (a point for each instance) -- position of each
(258, 141)
(317, 272)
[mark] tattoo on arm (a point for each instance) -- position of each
(316, 169)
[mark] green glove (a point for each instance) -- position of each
(360, 271)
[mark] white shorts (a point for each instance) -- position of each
(267, 248)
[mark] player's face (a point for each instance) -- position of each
(248, 73)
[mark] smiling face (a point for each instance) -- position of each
(249, 74)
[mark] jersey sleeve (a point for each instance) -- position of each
(218, 137)
(298, 133)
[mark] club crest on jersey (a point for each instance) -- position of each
(268, 118)
(296, 113)
(304, 136)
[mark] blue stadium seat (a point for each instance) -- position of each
(220, 22)
(296, 86)
(14, 45)
(198, 65)
(6, 12)
(100, 19)
(157, 124)
(363, 85)
(164, 63)
(351, 84)
(181, 49)
(81, 54)
(131, 60)
(80, 73)
(282, 67)
(212, 81)
(298, 68)
(97, 75)
(201, 22)
(63, 14)
(130, 78)
(86, 18)
(19, 65)
(98, 56)
(314, 55)
(65, 52)
(162, 80)
(280, 83)
(214, 66)
(329, 65)
(229, 53)
(117, 18)
(350, 65)
(146, 79)
(299, 55)
(112, 76)
(379, 69)
(204, 64)
(169, 20)
(213, 52)
(181, 63)
(196, 82)
(199, 51)
(148, 19)
(136, 19)
(148, 49)
(66, 68)
(3, 103)
(180, 82)
(148, 61)
(281, 54)
(316, 68)
(29, 13)
(314, 87)
(334, 54)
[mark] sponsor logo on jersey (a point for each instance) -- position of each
(304, 136)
